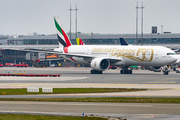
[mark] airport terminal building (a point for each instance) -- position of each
(50, 41)
(90, 39)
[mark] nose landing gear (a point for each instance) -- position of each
(166, 69)
(166, 72)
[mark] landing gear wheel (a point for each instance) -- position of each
(92, 71)
(126, 72)
(166, 72)
(130, 71)
(95, 72)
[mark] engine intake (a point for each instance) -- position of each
(100, 64)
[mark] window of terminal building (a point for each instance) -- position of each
(168, 40)
(131, 41)
(147, 41)
(175, 40)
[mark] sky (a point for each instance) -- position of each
(24, 17)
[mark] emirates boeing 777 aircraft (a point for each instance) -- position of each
(100, 57)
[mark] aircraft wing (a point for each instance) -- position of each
(69, 55)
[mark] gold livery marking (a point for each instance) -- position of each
(141, 55)
(94, 64)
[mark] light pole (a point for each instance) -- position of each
(161, 29)
(142, 25)
(137, 23)
(70, 21)
(76, 20)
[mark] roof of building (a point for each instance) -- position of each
(102, 36)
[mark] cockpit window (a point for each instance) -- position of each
(170, 53)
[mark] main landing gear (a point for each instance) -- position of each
(125, 71)
(96, 72)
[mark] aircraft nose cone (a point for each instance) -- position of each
(172, 59)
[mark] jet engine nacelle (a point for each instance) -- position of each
(100, 64)
(154, 68)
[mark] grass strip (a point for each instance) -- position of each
(102, 99)
(23, 91)
(44, 117)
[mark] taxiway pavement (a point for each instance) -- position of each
(158, 85)
(130, 111)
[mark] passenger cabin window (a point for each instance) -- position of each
(170, 53)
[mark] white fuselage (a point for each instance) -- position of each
(178, 59)
(127, 55)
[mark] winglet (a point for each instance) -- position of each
(62, 37)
